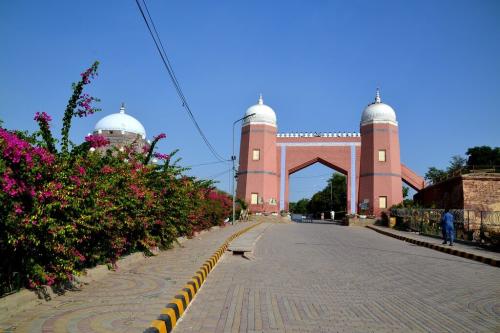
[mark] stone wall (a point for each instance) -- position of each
(448, 193)
(120, 139)
(479, 192)
(358, 222)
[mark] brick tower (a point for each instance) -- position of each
(380, 184)
(258, 170)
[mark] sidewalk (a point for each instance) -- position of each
(126, 300)
(462, 250)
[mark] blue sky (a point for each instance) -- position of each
(317, 64)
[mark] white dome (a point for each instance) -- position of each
(120, 122)
(378, 112)
(263, 114)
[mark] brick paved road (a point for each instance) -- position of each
(329, 278)
(126, 300)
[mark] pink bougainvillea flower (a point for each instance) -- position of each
(107, 169)
(17, 150)
(88, 74)
(161, 156)
(78, 255)
(76, 180)
(80, 170)
(160, 136)
(97, 141)
(84, 107)
(18, 209)
(42, 116)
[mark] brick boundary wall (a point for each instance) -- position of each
(474, 191)
(172, 312)
(455, 252)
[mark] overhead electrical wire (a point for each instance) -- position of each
(218, 175)
(315, 176)
(207, 163)
(171, 73)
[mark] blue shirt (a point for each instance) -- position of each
(447, 219)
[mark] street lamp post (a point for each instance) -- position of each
(331, 196)
(233, 159)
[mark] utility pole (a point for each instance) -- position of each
(233, 159)
(331, 194)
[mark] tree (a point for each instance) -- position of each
(299, 207)
(339, 191)
(406, 190)
(320, 202)
(457, 164)
(482, 156)
(435, 175)
(333, 196)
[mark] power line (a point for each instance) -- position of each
(315, 176)
(171, 73)
(218, 175)
(207, 163)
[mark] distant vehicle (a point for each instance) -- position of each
(307, 218)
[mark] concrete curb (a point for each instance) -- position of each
(449, 250)
(172, 312)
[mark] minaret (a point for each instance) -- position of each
(380, 184)
(258, 170)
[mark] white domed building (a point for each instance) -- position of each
(260, 114)
(378, 113)
(121, 130)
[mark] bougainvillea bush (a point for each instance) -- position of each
(64, 211)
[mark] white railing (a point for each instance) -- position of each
(319, 135)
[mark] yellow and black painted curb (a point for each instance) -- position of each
(445, 249)
(173, 311)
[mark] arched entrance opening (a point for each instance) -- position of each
(317, 190)
(339, 155)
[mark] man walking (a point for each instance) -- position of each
(447, 227)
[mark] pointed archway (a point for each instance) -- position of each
(341, 156)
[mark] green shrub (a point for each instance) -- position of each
(65, 211)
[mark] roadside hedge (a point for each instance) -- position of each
(64, 211)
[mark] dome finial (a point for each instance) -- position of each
(377, 96)
(122, 108)
(261, 100)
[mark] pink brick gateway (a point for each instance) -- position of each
(369, 159)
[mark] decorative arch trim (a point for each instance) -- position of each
(316, 160)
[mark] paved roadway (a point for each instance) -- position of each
(329, 278)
